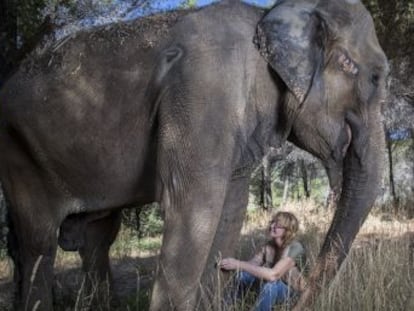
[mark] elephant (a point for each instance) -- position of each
(179, 108)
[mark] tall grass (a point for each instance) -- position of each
(377, 275)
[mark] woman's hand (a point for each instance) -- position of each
(229, 264)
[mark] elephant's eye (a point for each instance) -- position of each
(375, 79)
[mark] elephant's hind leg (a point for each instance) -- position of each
(32, 240)
(98, 238)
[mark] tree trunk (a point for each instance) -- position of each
(412, 160)
(8, 43)
(285, 189)
(305, 179)
(138, 211)
(266, 200)
(391, 175)
(331, 199)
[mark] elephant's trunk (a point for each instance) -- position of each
(361, 182)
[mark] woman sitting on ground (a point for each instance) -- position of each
(277, 269)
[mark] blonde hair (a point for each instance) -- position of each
(291, 224)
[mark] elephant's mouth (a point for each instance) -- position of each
(334, 163)
(348, 133)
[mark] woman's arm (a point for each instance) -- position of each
(257, 259)
(268, 274)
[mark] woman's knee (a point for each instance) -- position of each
(278, 288)
(246, 278)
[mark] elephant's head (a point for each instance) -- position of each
(328, 55)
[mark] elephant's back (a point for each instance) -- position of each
(121, 42)
(222, 25)
(132, 47)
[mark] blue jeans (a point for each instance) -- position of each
(270, 293)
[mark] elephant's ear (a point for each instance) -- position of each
(289, 38)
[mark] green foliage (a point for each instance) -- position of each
(189, 4)
(147, 220)
(151, 221)
(402, 158)
(3, 252)
(80, 9)
(140, 301)
(287, 173)
(394, 20)
(148, 244)
(29, 17)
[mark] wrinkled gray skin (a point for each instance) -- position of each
(180, 114)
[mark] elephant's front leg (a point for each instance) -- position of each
(193, 204)
(226, 238)
(32, 240)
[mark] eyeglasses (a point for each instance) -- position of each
(276, 225)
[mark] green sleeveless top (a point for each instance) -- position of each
(295, 250)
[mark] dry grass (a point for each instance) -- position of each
(5, 269)
(379, 271)
(377, 275)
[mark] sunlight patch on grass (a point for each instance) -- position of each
(6, 267)
(127, 244)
